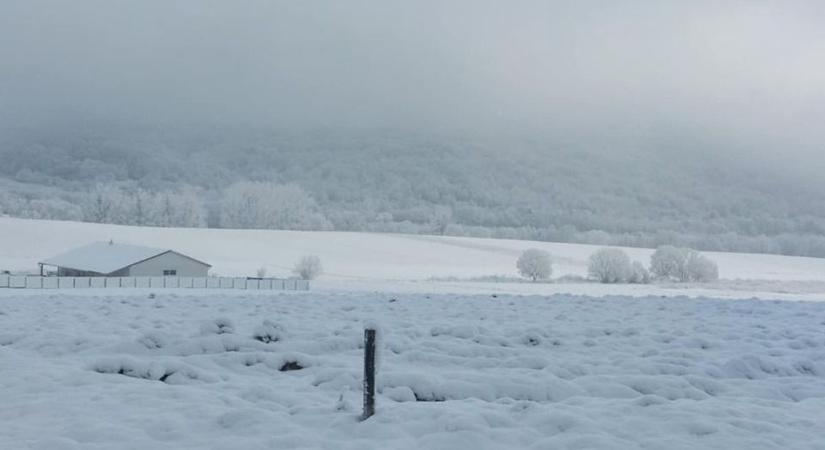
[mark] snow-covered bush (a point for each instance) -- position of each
(535, 264)
(269, 332)
(640, 274)
(701, 269)
(682, 264)
(217, 326)
(610, 265)
(308, 268)
(669, 262)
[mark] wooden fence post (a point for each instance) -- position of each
(369, 374)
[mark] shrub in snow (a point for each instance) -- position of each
(535, 264)
(610, 265)
(531, 339)
(701, 269)
(153, 340)
(342, 405)
(399, 394)
(290, 365)
(682, 264)
(261, 272)
(171, 373)
(218, 326)
(269, 332)
(640, 274)
(668, 262)
(308, 268)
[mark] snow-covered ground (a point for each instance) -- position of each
(118, 369)
(369, 261)
(464, 363)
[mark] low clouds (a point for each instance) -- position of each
(737, 76)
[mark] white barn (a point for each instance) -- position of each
(108, 259)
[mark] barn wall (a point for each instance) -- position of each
(154, 267)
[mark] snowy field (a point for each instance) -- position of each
(103, 370)
(370, 261)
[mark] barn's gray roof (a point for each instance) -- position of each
(106, 257)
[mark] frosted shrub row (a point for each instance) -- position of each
(613, 265)
(668, 263)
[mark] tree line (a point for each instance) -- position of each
(403, 184)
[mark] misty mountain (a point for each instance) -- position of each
(397, 182)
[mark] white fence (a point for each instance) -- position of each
(254, 284)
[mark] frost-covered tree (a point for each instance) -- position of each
(140, 205)
(610, 265)
(535, 264)
(682, 264)
(669, 262)
(640, 274)
(187, 209)
(441, 218)
(308, 268)
(106, 204)
(701, 269)
(270, 206)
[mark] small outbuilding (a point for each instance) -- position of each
(108, 259)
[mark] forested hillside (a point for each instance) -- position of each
(517, 188)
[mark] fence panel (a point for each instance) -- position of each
(37, 282)
(34, 282)
(50, 283)
(17, 282)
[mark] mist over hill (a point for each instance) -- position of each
(638, 124)
(511, 187)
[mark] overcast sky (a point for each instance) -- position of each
(747, 75)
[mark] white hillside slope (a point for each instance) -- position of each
(370, 259)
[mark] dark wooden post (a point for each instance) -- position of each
(369, 373)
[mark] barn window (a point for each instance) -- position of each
(170, 272)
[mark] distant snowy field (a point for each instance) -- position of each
(118, 369)
(370, 261)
